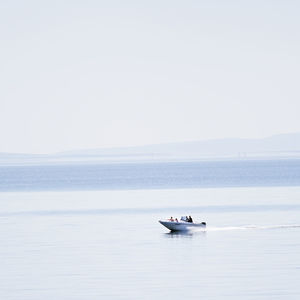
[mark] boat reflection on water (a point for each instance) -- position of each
(185, 234)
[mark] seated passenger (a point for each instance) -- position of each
(190, 219)
(171, 219)
(176, 220)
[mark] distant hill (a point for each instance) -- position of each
(283, 145)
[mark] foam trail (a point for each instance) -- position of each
(281, 226)
(252, 227)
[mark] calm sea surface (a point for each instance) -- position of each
(92, 231)
(159, 175)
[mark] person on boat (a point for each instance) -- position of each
(176, 219)
(190, 219)
(171, 219)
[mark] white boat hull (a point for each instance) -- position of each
(181, 226)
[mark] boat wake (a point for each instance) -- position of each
(253, 227)
(203, 231)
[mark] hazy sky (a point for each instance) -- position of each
(88, 74)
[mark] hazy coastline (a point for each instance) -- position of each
(285, 146)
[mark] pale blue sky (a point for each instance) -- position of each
(88, 74)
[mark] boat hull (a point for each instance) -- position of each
(181, 226)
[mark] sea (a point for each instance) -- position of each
(90, 230)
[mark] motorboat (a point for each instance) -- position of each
(181, 225)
